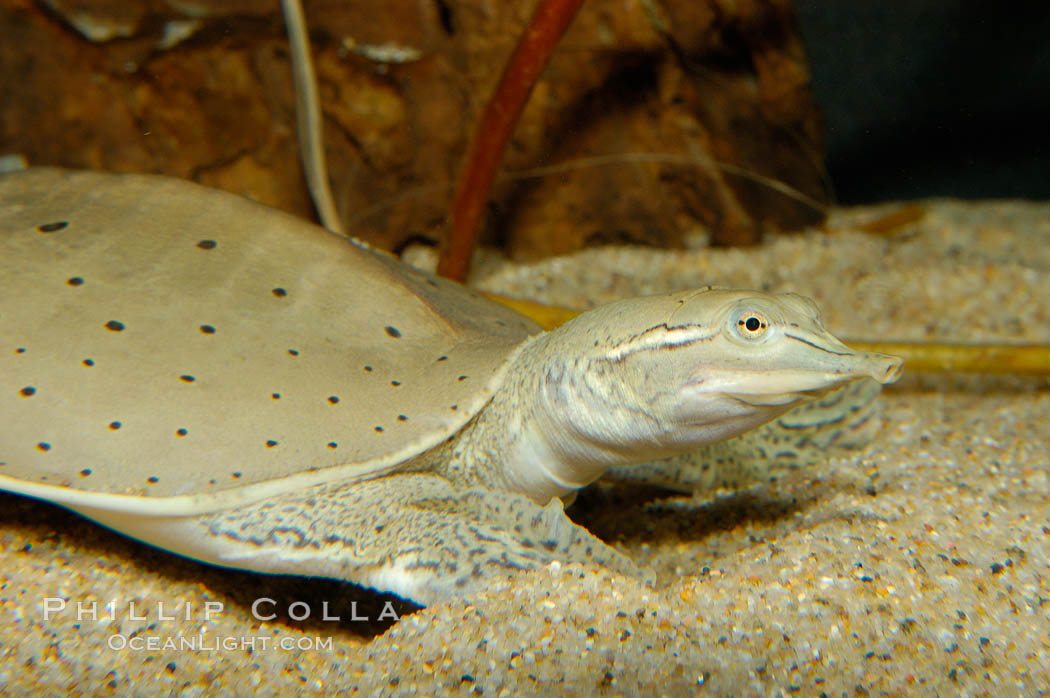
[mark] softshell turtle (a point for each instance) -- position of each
(236, 385)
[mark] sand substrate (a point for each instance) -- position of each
(918, 566)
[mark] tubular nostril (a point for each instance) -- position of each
(893, 372)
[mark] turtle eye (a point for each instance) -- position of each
(751, 325)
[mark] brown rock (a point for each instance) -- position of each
(638, 100)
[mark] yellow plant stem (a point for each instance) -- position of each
(1029, 359)
(546, 316)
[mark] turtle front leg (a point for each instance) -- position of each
(846, 418)
(415, 535)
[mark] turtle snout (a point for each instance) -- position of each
(889, 369)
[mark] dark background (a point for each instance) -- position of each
(932, 97)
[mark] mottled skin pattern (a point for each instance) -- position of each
(842, 420)
(414, 532)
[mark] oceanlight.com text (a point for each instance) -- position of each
(217, 643)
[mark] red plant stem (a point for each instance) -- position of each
(549, 21)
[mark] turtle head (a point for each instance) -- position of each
(726, 361)
(651, 377)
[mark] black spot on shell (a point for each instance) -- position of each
(393, 331)
(207, 329)
(212, 481)
(271, 443)
(85, 472)
(333, 444)
(395, 383)
(279, 292)
(181, 432)
(20, 350)
(368, 369)
(462, 378)
(75, 281)
(187, 378)
(115, 425)
(88, 362)
(501, 323)
(115, 326)
(207, 244)
(235, 476)
(333, 399)
(402, 418)
(27, 391)
(379, 429)
(276, 396)
(43, 446)
(153, 479)
(52, 227)
(442, 358)
(454, 408)
(293, 352)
